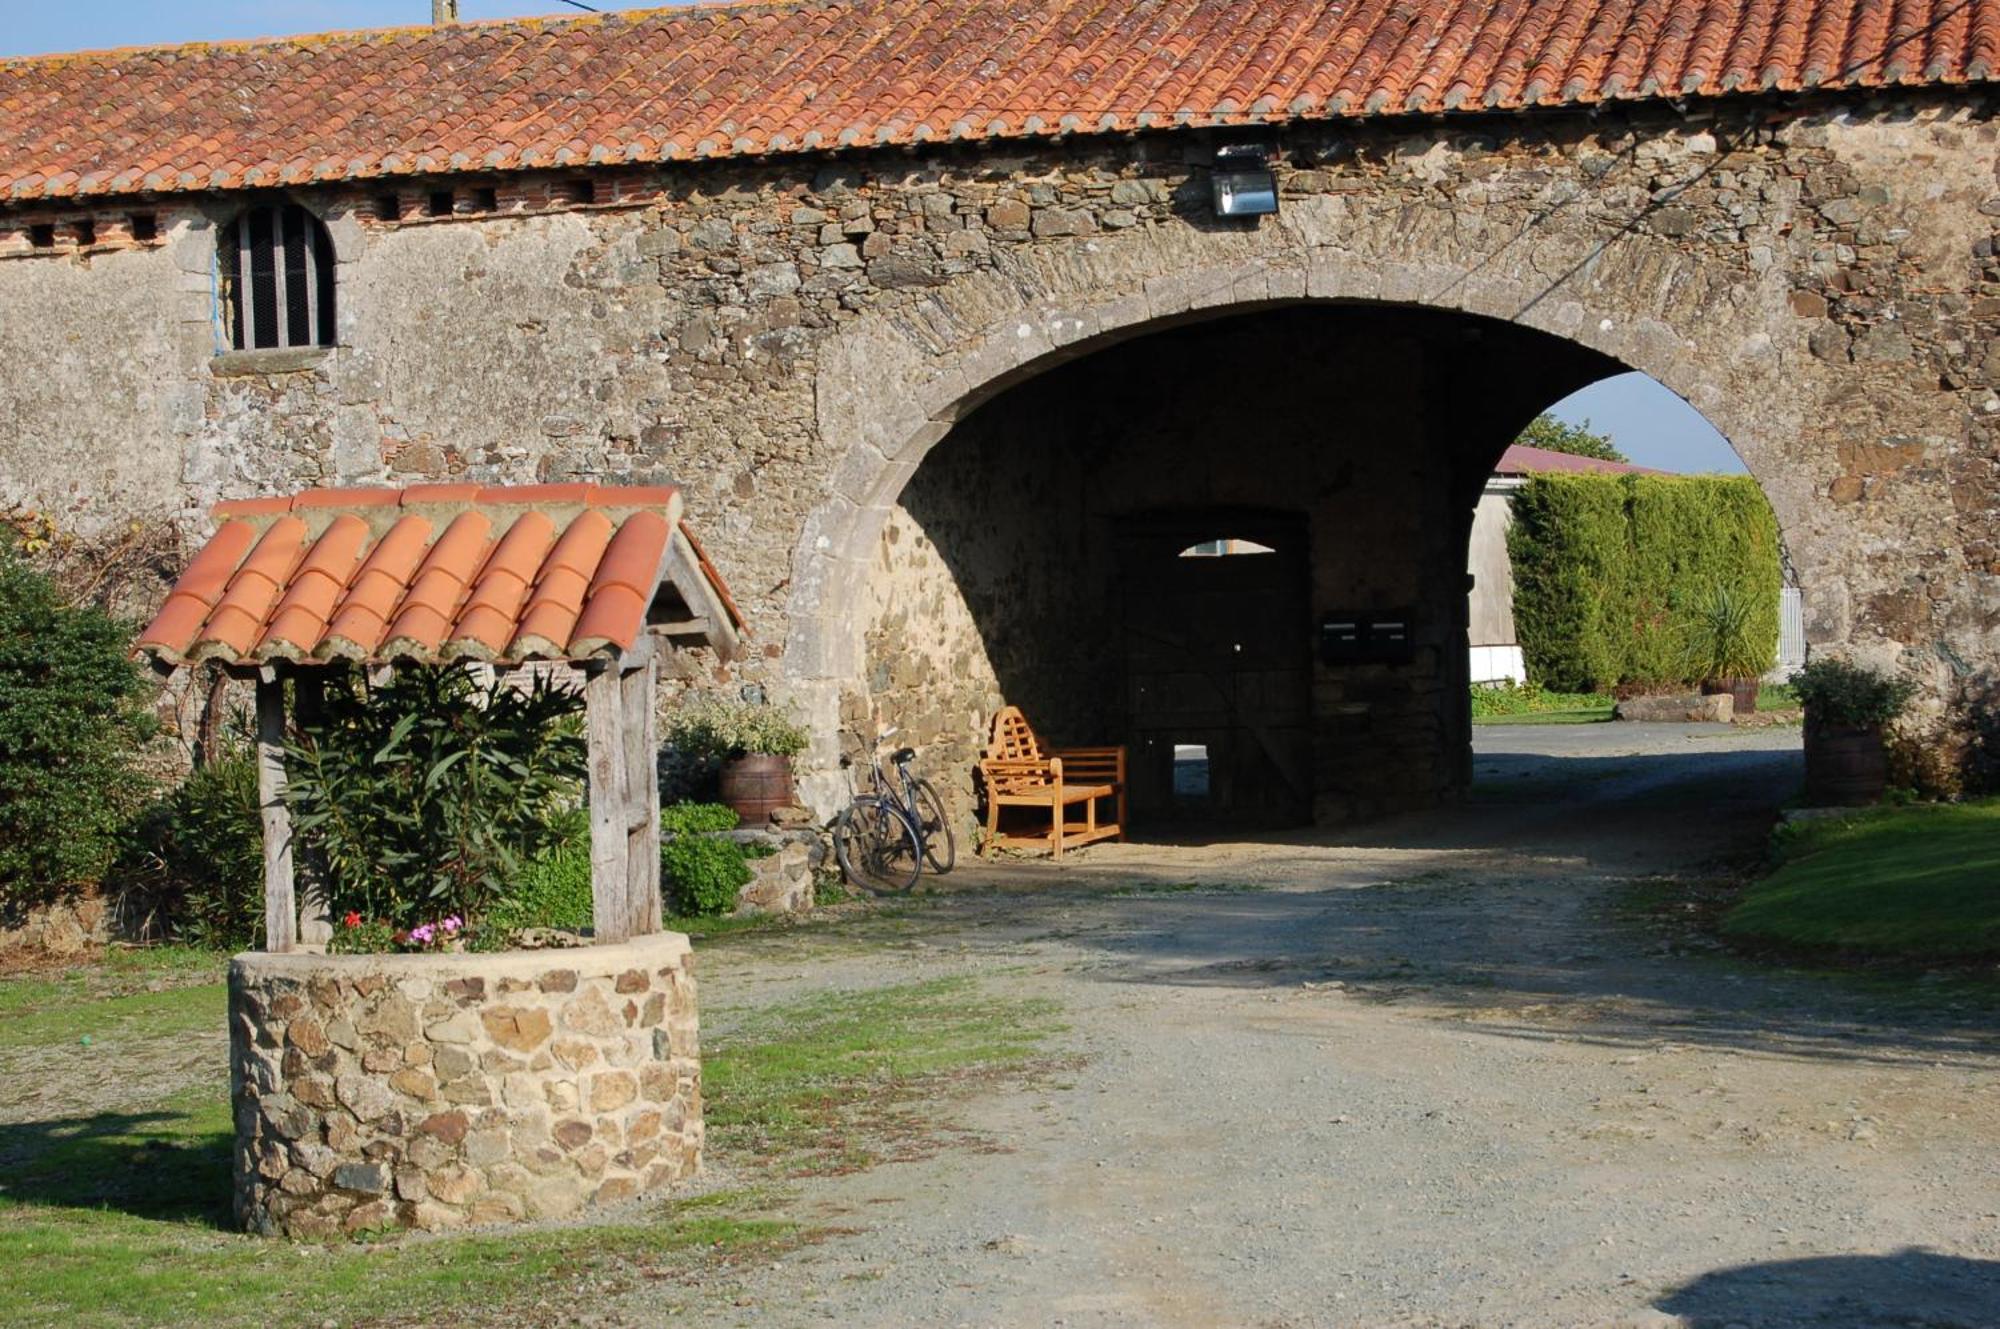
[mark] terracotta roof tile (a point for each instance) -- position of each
(433, 572)
(745, 79)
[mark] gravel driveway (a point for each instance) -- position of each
(1426, 1074)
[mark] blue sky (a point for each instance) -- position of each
(1651, 424)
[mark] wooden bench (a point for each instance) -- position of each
(1019, 774)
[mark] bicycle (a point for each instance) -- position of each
(884, 837)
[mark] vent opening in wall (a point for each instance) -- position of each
(440, 203)
(388, 208)
(42, 235)
(145, 227)
(486, 200)
(85, 232)
(275, 265)
(580, 190)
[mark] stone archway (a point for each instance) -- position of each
(890, 388)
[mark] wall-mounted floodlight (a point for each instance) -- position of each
(1244, 183)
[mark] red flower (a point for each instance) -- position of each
(352, 919)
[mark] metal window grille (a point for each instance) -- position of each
(277, 279)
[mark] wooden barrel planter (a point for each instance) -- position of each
(757, 784)
(1846, 765)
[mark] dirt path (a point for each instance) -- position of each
(1426, 1075)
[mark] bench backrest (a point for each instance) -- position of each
(1013, 737)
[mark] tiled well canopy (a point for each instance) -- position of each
(601, 578)
(434, 573)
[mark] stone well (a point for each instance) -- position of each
(432, 1091)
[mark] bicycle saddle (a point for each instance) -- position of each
(902, 755)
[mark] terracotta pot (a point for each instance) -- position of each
(1845, 765)
(757, 784)
(1744, 690)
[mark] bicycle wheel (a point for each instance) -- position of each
(940, 845)
(876, 847)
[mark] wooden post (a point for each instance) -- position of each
(280, 911)
(604, 722)
(642, 795)
(315, 913)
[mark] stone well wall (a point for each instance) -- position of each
(432, 1091)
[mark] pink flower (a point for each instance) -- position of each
(422, 934)
(452, 924)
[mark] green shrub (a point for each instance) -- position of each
(72, 722)
(428, 796)
(694, 818)
(1567, 544)
(199, 852)
(1613, 575)
(1836, 692)
(701, 874)
(554, 890)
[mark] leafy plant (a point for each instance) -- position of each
(717, 728)
(1839, 693)
(72, 722)
(429, 795)
(694, 818)
(554, 890)
(1723, 641)
(703, 872)
(199, 852)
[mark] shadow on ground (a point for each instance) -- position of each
(1529, 912)
(159, 1165)
(1912, 1288)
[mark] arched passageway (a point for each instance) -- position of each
(1036, 557)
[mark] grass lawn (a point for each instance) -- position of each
(1502, 703)
(120, 1215)
(1915, 883)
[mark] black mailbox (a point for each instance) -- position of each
(1365, 637)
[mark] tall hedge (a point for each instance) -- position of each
(1611, 571)
(72, 720)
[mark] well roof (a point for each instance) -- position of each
(436, 573)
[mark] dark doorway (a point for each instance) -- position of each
(1218, 668)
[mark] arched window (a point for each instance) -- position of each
(276, 268)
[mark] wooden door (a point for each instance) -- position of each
(1218, 650)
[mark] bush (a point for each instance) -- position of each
(1613, 574)
(694, 818)
(701, 874)
(554, 890)
(199, 852)
(72, 723)
(1836, 692)
(1567, 545)
(429, 796)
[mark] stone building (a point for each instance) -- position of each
(930, 312)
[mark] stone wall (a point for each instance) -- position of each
(789, 338)
(434, 1091)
